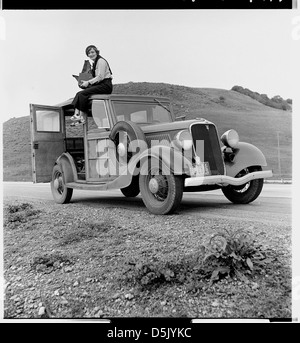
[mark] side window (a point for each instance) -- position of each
(100, 114)
(47, 121)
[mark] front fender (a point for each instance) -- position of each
(246, 155)
(172, 158)
(66, 162)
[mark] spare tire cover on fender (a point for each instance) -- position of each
(134, 132)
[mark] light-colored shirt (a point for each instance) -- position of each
(101, 72)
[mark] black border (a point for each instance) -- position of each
(145, 4)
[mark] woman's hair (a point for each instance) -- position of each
(91, 47)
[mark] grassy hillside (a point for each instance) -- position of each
(256, 123)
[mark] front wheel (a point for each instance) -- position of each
(60, 192)
(161, 190)
(247, 192)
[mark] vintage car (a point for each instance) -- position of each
(134, 143)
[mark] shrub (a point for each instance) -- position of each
(232, 254)
(20, 213)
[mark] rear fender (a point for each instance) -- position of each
(246, 155)
(66, 162)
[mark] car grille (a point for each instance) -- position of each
(157, 139)
(207, 134)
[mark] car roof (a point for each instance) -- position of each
(120, 97)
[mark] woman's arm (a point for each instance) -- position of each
(100, 71)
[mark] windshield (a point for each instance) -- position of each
(142, 112)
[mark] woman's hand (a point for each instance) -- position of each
(84, 84)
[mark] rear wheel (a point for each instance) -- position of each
(60, 192)
(161, 190)
(246, 193)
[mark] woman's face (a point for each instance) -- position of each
(92, 54)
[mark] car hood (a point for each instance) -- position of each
(173, 126)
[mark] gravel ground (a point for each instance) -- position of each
(77, 261)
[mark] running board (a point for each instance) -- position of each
(88, 186)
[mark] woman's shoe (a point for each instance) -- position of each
(76, 123)
(76, 117)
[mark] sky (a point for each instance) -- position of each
(41, 49)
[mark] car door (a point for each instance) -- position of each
(47, 139)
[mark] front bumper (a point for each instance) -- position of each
(224, 180)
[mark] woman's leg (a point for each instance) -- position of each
(81, 99)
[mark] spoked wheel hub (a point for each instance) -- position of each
(58, 183)
(242, 188)
(158, 186)
(60, 192)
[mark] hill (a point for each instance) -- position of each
(255, 122)
(276, 102)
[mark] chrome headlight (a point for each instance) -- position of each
(184, 140)
(230, 138)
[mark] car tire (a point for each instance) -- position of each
(133, 189)
(247, 192)
(60, 192)
(161, 193)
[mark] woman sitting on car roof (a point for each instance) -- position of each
(101, 83)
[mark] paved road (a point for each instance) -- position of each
(274, 205)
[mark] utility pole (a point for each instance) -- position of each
(278, 149)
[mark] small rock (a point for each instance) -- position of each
(40, 268)
(255, 285)
(215, 304)
(42, 311)
(85, 294)
(64, 301)
(56, 292)
(174, 311)
(99, 314)
(56, 264)
(68, 269)
(18, 278)
(129, 296)
(116, 295)
(41, 304)
(163, 303)
(76, 283)
(88, 279)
